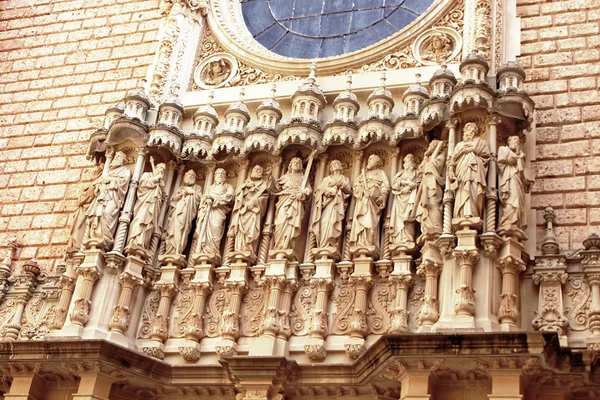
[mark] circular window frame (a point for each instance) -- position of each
(226, 21)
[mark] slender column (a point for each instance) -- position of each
(356, 163)
(492, 191)
(159, 330)
(230, 330)
(230, 240)
(465, 300)
(385, 246)
(594, 311)
(88, 274)
(309, 257)
(267, 232)
(448, 194)
(201, 290)
(121, 315)
(357, 326)
(126, 214)
(24, 286)
(274, 285)
(67, 285)
(429, 312)
(285, 305)
(401, 284)
(511, 267)
(318, 330)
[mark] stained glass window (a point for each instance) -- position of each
(325, 28)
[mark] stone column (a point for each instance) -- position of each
(429, 313)
(87, 277)
(448, 195)
(121, 315)
(590, 261)
(267, 232)
(159, 331)
(24, 286)
(399, 314)
(357, 325)
(230, 331)
(93, 386)
(26, 385)
(464, 305)
(67, 285)
(322, 282)
(492, 191)
(414, 385)
(508, 312)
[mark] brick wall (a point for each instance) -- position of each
(561, 55)
(61, 64)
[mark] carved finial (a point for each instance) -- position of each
(592, 242)
(273, 90)
(211, 96)
(313, 72)
(242, 94)
(382, 80)
(31, 267)
(142, 83)
(549, 245)
(418, 79)
(175, 90)
(349, 83)
(474, 52)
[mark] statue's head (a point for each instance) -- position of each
(439, 41)
(295, 165)
(514, 143)
(374, 162)
(432, 146)
(257, 173)
(118, 159)
(335, 166)
(160, 169)
(470, 130)
(410, 161)
(190, 177)
(220, 176)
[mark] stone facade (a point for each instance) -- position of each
(241, 225)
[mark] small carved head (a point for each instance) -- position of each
(514, 143)
(470, 131)
(410, 162)
(160, 169)
(335, 166)
(257, 173)
(220, 176)
(190, 177)
(374, 162)
(439, 41)
(295, 165)
(119, 159)
(432, 146)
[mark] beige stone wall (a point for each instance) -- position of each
(61, 64)
(561, 55)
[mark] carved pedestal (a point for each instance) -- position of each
(430, 268)
(511, 266)
(322, 281)
(550, 273)
(401, 280)
(67, 285)
(360, 280)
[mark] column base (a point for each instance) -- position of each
(226, 348)
(190, 350)
(154, 348)
(354, 347)
(315, 350)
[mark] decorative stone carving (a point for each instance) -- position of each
(150, 195)
(513, 186)
(437, 46)
(184, 204)
(404, 190)
(217, 70)
(210, 225)
(468, 172)
(250, 206)
(103, 212)
(429, 209)
(292, 190)
(370, 190)
(78, 223)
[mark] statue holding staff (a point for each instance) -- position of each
(184, 204)
(404, 189)
(430, 211)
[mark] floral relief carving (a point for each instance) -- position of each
(217, 304)
(343, 300)
(7, 312)
(38, 316)
(252, 310)
(301, 310)
(378, 314)
(183, 305)
(578, 300)
(148, 314)
(415, 302)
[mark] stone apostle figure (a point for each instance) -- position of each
(289, 211)
(78, 224)
(331, 198)
(248, 211)
(109, 192)
(184, 205)
(468, 171)
(404, 189)
(370, 190)
(430, 212)
(147, 207)
(513, 185)
(210, 225)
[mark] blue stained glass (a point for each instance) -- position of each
(326, 28)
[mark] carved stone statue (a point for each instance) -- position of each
(430, 212)
(109, 192)
(438, 49)
(468, 171)
(211, 217)
(331, 199)
(370, 190)
(292, 192)
(513, 185)
(404, 189)
(184, 205)
(248, 211)
(78, 224)
(147, 207)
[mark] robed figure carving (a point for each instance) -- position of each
(404, 189)
(184, 204)
(430, 212)
(513, 185)
(331, 199)
(468, 171)
(79, 222)
(147, 207)
(248, 211)
(370, 190)
(214, 207)
(293, 191)
(109, 192)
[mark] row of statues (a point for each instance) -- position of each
(416, 197)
